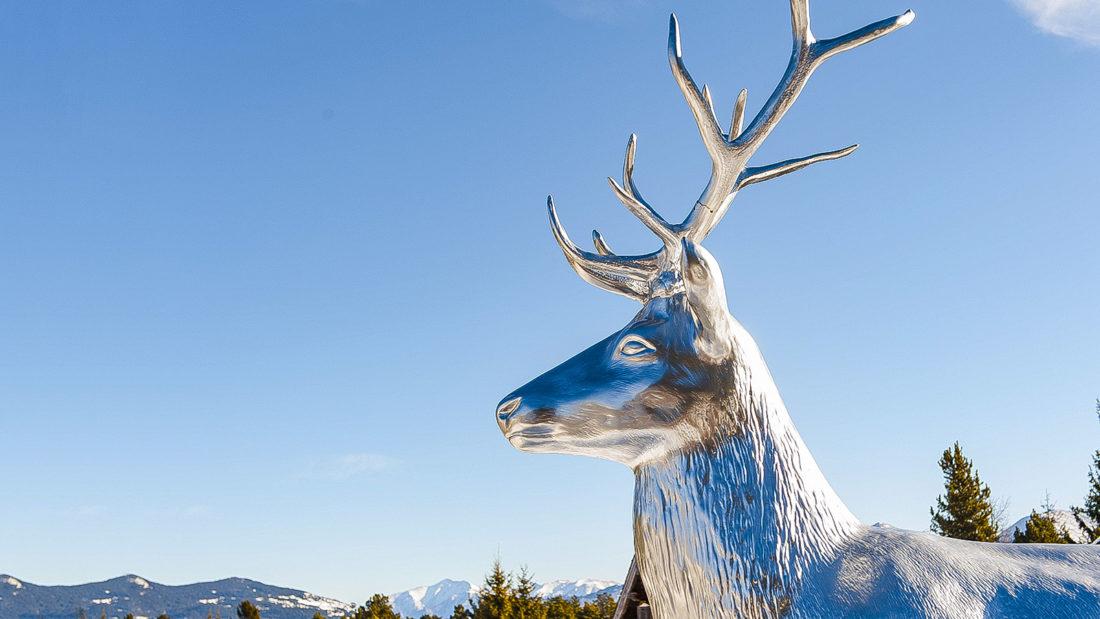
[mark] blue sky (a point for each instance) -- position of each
(267, 269)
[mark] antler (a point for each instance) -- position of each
(729, 152)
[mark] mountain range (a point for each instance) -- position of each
(117, 597)
(441, 598)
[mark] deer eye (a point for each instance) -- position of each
(633, 346)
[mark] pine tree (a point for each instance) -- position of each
(103, 613)
(246, 610)
(163, 616)
(494, 601)
(558, 607)
(129, 615)
(379, 607)
(966, 512)
(526, 604)
(1091, 510)
(603, 607)
(319, 615)
(460, 612)
(1041, 529)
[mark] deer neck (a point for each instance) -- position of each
(729, 528)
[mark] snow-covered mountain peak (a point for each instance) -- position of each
(441, 598)
(574, 588)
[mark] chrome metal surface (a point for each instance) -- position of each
(732, 517)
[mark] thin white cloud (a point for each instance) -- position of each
(346, 466)
(1074, 19)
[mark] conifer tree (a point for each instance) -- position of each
(603, 607)
(129, 615)
(163, 616)
(1041, 529)
(319, 615)
(246, 610)
(494, 601)
(966, 511)
(103, 613)
(526, 604)
(558, 607)
(460, 612)
(379, 607)
(1088, 517)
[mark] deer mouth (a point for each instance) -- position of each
(529, 435)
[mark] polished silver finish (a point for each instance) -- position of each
(732, 517)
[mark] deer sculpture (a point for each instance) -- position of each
(732, 517)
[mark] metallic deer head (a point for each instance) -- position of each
(649, 388)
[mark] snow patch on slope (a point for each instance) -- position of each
(574, 588)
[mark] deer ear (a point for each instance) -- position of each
(706, 296)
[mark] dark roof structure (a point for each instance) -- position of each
(633, 603)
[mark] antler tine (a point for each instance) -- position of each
(730, 156)
(760, 174)
(699, 101)
(632, 200)
(601, 246)
(738, 114)
(625, 275)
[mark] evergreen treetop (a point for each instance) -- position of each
(379, 607)
(248, 610)
(526, 604)
(1041, 529)
(494, 601)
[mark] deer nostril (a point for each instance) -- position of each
(505, 410)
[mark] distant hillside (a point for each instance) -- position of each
(147, 599)
(143, 598)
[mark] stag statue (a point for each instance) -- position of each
(732, 517)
